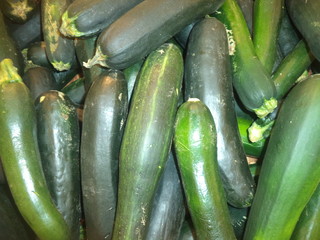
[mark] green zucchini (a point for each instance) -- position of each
(145, 27)
(59, 49)
(131, 75)
(183, 36)
(168, 208)
(8, 48)
(85, 18)
(267, 16)
(208, 77)
(19, 11)
(246, 7)
(59, 144)
(75, 90)
(147, 137)
(306, 18)
(39, 80)
(250, 79)
(195, 143)
(36, 53)
(308, 226)
(21, 157)
(290, 168)
(104, 116)
(12, 224)
(186, 232)
(239, 218)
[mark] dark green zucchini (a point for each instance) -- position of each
(64, 77)
(290, 168)
(208, 77)
(85, 18)
(37, 54)
(239, 218)
(183, 35)
(59, 49)
(250, 79)
(21, 157)
(308, 226)
(85, 49)
(19, 11)
(39, 80)
(104, 116)
(186, 232)
(8, 48)
(195, 143)
(75, 90)
(59, 144)
(131, 75)
(267, 16)
(306, 18)
(168, 208)
(12, 224)
(147, 137)
(145, 27)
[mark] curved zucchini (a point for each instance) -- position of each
(21, 157)
(168, 209)
(208, 77)
(147, 137)
(104, 115)
(195, 143)
(308, 226)
(266, 25)
(59, 49)
(290, 168)
(145, 27)
(84, 18)
(59, 144)
(250, 79)
(19, 11)
(39, 80)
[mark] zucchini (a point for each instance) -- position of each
(12, 224)
(59, 144)
(266, 25)
(84, 18)
(239, 218)
(75, 90)
(168, 209)
(21, 157)
(308, 226)
(208, 77)
(36, 53)
(145, 27)
(183, 36)
(39, 80)
(186, 231)
(8, 48)
(306, 18)
(131, 75)
(246, 7)
(19, 11)
(59, 49)
(195, 142)
(104, 116)
(290, 168)
(147, 137)
(250, 79)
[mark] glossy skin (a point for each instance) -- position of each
(21, 159)
(104, 116)
(195, 143)
(147, 138)
(290, 171)
(208, 77)
(59, 143)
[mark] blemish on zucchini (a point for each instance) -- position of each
(231, 42)
(20, 9)
(42, 98)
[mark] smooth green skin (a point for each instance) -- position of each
(266, 24)
(59, 144)
(75, 90)
(291, 68)
(131, 75)
(147, 138)
(60, 50)
(104, 115)
(21, 158)
(291, 165)
(208, 77)
(195, 143)
(308, 226)
(250, 79)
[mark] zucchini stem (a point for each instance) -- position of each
(99, 58)
(267, 107)
(68, 26)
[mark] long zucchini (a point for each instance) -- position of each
(147, 137)
(21, 157)
(195, 142)
(291, 165)
(104, 115)
(145, 27)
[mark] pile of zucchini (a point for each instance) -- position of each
(159, 119)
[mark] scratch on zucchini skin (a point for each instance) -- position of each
(8, 72)
(52, 26)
